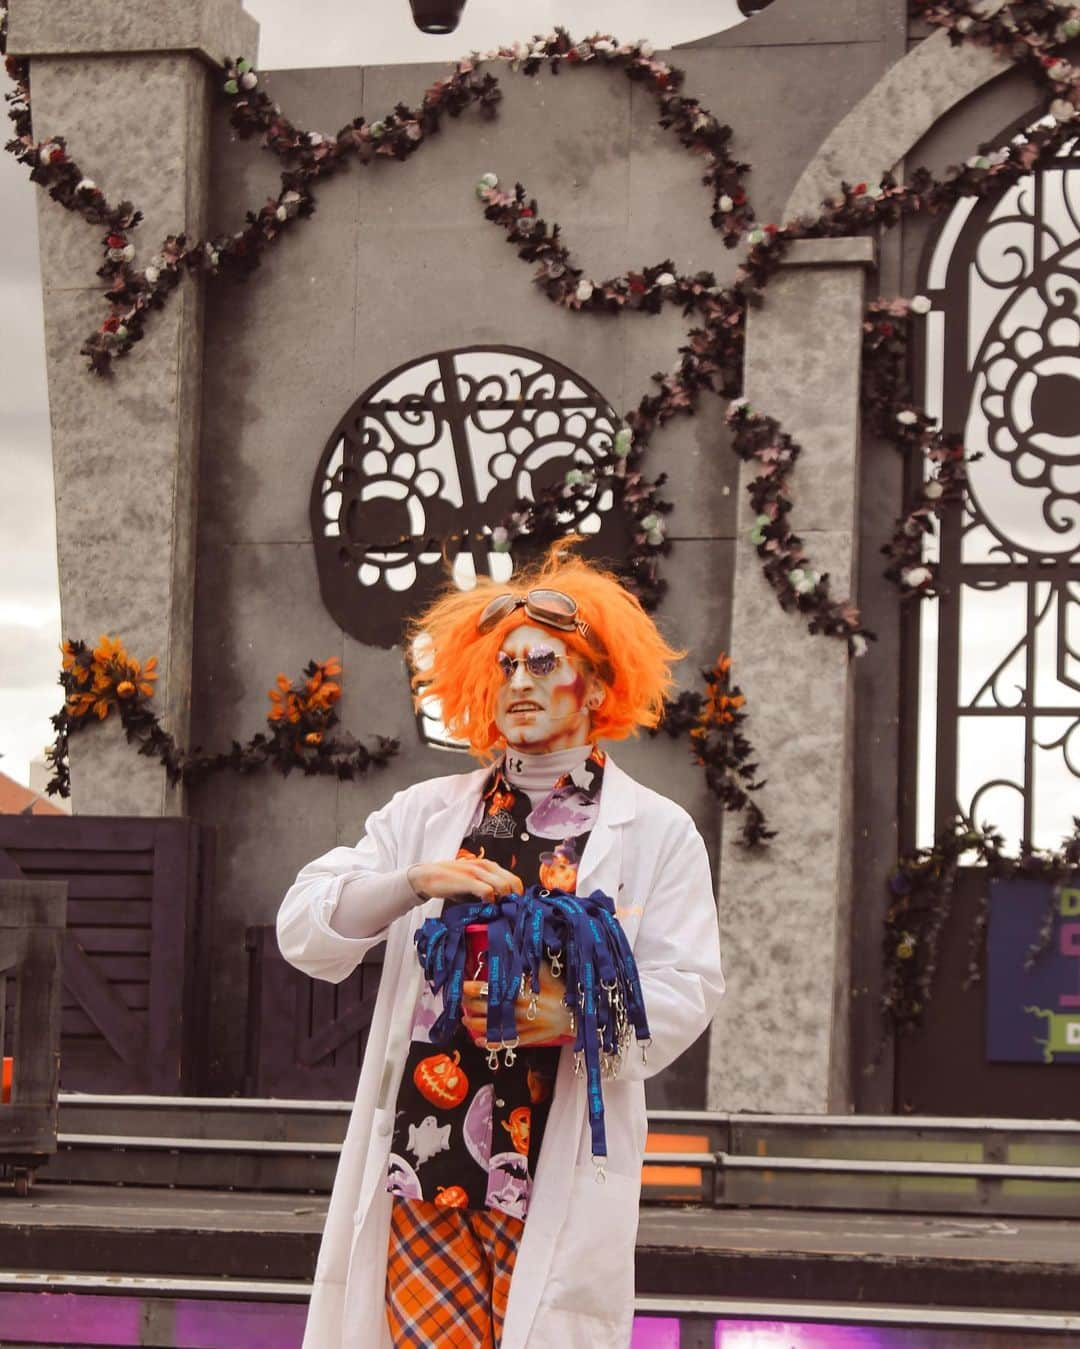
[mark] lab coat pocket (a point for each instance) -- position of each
(593, 1271)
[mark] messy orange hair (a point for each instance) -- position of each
(456, 664)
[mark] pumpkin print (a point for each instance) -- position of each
(441, 1080)
(517, 1126)
(451, 1196)
(499, 802)
(559, 868)
(464, 855)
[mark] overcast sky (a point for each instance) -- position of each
(319, 33)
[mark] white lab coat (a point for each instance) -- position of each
(573, 1285)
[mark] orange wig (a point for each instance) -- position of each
(457, 665)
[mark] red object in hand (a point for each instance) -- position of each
(476, 951)
(476, 967)
(5, 1081)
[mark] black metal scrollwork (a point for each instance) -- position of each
(1006, 284)
(420, 470)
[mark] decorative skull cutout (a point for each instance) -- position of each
(427, 463)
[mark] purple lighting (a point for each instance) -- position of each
(655, 1332)
(793, 1335)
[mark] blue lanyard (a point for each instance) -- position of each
(583, 939)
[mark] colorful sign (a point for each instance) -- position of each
(1033, 972)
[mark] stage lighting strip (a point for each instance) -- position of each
(789, 1311)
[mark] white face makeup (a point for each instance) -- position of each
(538, 714)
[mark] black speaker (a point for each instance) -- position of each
(436, 16)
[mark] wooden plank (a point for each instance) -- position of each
(37, 1038)
(11, 949)
(197, 1017)
(169, 964)
(124, 969)
(124, 1030)
(75, 1022)
(108, 912)
(132, 887)
(33, 860)
(28, 903)
(9, 867)
(27, 1129)
(91, 1066)
(322, 1023)
(135, 997)
(58, 833)
(313, 1049)
(116, 940)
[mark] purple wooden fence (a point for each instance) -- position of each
(306, 1036)
(31, 921)
(129, 1007)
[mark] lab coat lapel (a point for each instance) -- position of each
(601, 863)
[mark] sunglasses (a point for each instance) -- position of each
(550, 607)
(540, 661)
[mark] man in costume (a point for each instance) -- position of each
(467, 1212)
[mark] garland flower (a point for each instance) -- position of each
(134, 293)
(890, 412)
(759, 439)
(921, 890)
(1027, 32)
(98, 680)
(714, 723)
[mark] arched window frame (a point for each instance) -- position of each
(943, 722)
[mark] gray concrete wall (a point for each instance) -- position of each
(131, 93)
(399, 262)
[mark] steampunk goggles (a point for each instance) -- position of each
(553, 608)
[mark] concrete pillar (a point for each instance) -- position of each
(780, 1042)
(129, 86)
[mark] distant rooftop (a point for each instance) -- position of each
(15, 799)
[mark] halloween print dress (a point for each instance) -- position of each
(467, 1135)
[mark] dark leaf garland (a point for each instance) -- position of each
(759, 439)
(104, 679)
(714, 723)
(1027, 32)
(890, 412)
(712, 358)
(921, 890)
(313, 156)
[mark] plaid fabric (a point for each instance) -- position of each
(448, 1275)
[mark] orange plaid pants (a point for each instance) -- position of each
(448, 1275)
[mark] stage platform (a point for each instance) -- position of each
(750, 1254)
(190, 1222)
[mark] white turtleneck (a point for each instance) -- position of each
(368, 904)
(536, 774)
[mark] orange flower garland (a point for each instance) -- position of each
(301, 715)
(112, 675)
(307, 704)
(713, 721)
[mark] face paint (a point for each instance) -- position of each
(538, 715)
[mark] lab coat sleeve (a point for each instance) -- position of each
(304, 934)
(677, 952)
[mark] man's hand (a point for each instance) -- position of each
(463, 876)
(551, 1020)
